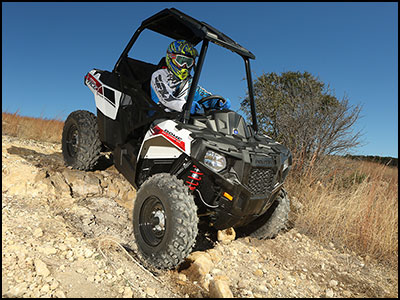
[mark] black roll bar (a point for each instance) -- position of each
(204, 47)
(251, 94)
(195, 81)
(128, 47)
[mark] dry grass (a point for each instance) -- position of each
(350, 203)
(353, 204)
(48, 130)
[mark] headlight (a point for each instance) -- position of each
(215, 161)
(285, 164)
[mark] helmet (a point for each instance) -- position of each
(180, 58)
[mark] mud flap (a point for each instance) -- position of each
(125, 162)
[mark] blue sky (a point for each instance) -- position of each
(47, 48)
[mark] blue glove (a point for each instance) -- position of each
(195, 107)
(216, 103)
(226, 105)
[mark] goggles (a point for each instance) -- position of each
(182, 60)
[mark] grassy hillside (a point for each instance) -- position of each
(352, 203)
(49, 130)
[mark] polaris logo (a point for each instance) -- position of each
(263, 162)
(172, 134)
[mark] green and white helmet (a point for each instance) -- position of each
(180, 58)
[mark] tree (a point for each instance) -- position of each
(300, 111)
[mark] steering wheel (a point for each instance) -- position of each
(221, 101)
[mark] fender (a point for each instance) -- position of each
(164, 140)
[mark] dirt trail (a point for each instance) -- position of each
(67, 233)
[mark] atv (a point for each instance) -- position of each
(211, 167)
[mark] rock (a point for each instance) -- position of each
(226, 236)
(119, 271)
(56, 182)
(244, 283)
(182, 277)
(41, 268)
(45, 288)
(329, 293)
(314, 289)
(128, 292)
(47, 250)
(333, 283)
(263, 289)
(54, 285)
(88, 253)
(347, 294)
(296, 204)
(38, 232)
(201, 265)
(59, 294)
(82, 183)
(215, 255)
(18, 290)
(4, 284)
(219, 289)
(129, 196)
(150, 291)
(258, 273)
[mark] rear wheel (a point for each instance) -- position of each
(81, 144)
(164, 221)
(273, 221)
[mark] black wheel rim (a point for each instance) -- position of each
(72, 140)
(152, 221)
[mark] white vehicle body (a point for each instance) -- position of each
(107, 98)
(162, 141)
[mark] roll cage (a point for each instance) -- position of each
(177, 25)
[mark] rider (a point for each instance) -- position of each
(170, 85)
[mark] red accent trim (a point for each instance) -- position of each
(91, 77)
(198, 179)
(174, 140)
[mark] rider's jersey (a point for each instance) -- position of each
(172, 92)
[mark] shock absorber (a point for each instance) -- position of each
(194, 178)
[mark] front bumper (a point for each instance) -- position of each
(241, 205)
(253, 177)
(243, 196)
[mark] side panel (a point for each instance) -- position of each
(164, 140)
(107, 98)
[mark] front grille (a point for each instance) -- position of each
(260, 181)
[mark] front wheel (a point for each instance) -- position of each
(164, 221)
(273, 221)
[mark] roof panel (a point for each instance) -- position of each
(177, 25)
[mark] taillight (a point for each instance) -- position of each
(94, 83)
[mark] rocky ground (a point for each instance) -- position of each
(67, 233)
